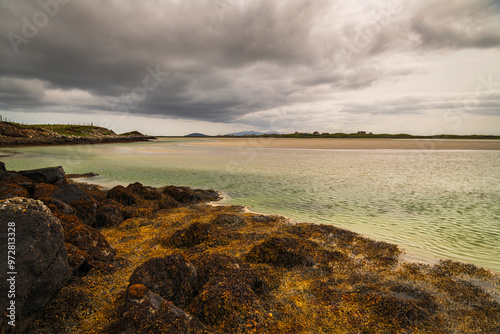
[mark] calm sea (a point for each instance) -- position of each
(434, 204)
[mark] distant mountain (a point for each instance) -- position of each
(249, 133)
(196, 135)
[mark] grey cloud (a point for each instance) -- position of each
(255, 56)
(458, 24)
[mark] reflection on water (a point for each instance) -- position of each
(432, 203)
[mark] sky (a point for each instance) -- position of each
(172, 67)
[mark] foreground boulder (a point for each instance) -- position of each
(147, 312)
(52, 175)
(172, 277)
(40, 259)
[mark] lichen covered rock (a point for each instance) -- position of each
(40, 258)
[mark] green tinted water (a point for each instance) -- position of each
(443, 204)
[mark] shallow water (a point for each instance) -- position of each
(435, 204)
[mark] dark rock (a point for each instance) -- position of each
(84, 175)
(167, 202)
(284, 252)
(92, 191)
(90, 241)
(85, 210)
(14, 177)
(147, 312)
(40, 259)
(69, 193)
(229, 305)
(110, 214)
(229, 220)
(186, 195)
(84, 206)
(9, 190)
(65, 311)
(143, 192)
(56, 205)
(172, 277)
(261, 280)
(197, 233)
(3, 170)
(53, 175)
(77, 260)
(122, 195)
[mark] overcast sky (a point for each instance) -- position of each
(171, 67)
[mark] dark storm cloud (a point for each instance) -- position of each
(216, 60)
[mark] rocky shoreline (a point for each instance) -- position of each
(12, 135)
(139, 259)
(65, 140)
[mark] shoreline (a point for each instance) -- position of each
(430, 259)
(169, 257)
(27, 142)
(349, 143)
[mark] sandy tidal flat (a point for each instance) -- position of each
(352, 143)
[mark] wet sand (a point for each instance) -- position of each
(352, 143)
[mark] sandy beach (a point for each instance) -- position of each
(352, 143)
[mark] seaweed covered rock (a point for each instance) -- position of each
(228, 220)
(390, 306)
(234, 295)
(57, 206)
(196, 234)
(147, 312)
(122, 195)
(285, 252)
(261, 280)
(64, 312)
(43, 190)
(186, 195)
(77, 260)
(109, 214)
(10, 190)
(40, 262)
(228, 305)
(172, 277)
(93, 191)
(143, 192)
(167, 202)
(92, 242)
(52, 175)
(14, 177)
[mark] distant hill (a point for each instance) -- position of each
(252, 133)
(196, 135)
